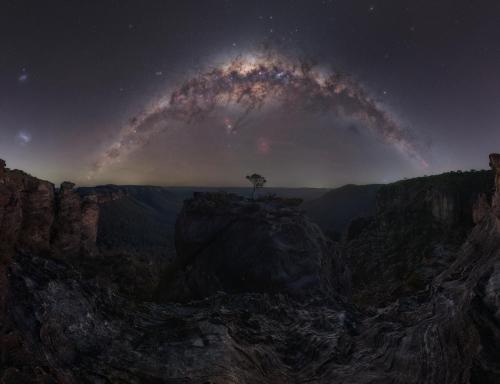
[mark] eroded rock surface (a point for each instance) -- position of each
(415, 234)
(60, 324)
(36, 218)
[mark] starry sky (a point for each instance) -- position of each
(308, 93)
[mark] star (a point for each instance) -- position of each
(228, 125)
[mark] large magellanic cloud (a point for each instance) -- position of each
(250, 83)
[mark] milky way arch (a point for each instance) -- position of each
(250, 83)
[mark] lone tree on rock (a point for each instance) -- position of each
(257, 181)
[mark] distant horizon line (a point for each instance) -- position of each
(77, 186)
(280, 187)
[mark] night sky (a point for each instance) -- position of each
(307, 93)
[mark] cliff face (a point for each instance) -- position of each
(26, 212)
(495, 164)
(38, 219)
(61, 323)
(416, 231)
(227, 243)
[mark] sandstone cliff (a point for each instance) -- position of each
(228, 243)
(38, 219)
(415, 233)
(62, 324)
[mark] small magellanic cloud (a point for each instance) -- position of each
(23, 137)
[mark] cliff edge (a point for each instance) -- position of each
(62, 324)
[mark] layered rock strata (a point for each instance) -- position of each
(37, 218)
(59, 324)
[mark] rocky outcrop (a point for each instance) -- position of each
(26, 212)
(228, 243)
(62, 324)
(75, 227)
(36, 218)
(104, 194)
(418, 228)
(67, 230)
(39, 221)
